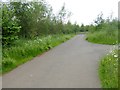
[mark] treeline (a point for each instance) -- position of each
(33, 19)
(29, 20)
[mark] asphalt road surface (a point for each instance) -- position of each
(73, 64)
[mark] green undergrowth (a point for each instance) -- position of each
(25, 50)
(108, 70)
(103, 37)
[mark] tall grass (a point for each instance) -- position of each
(108, 70)
(25, 50)
(103, 37)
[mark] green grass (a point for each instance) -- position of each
(25, 50)
(103, 37)
(108, 70)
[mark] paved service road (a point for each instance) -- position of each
(73, 64)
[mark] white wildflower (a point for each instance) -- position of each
(115, 55)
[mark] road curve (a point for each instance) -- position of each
(73, 64)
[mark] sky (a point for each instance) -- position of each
(85, 11)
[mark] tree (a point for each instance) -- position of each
(99, 21)
(32, 17)
(61, 17)
(82, 28)
(22, 12)
(10, 27)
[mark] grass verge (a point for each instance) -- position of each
(25, 50)
(108, 70)
(103, 37)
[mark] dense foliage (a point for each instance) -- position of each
(29, 20)
(9, 25)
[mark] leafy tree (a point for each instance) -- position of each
(34, 17)
(10, 27)
(99, 21)
(82, 28)
(61, 17)
(76, 28)
(22, 12)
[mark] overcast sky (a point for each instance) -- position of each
(85, 11)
